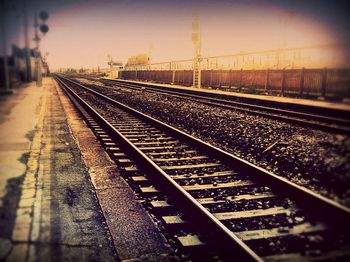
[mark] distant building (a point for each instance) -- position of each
(140, 59)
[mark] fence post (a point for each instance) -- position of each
(283, 81)
(267, 80)
(230, 78)
(301, 83)
(211, 78)
(240, 80)
(324, 82)
(173, 77)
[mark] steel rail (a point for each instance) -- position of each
(204, 94)
(305, 196)
(290, 116)
(232, 246)
(337, 214)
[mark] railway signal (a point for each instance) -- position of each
(43, 15)
(44, 28)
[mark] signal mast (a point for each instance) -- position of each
(111, 63)
(197, 42)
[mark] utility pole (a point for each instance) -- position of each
(197, 42)
(114, 71)
(26, 43)
(150, 52)
(110, 63)
(37, 52)
(4, 44)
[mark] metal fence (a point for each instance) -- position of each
(320, 56)
(329, 83)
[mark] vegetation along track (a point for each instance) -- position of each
(328, 120)
(240, 209)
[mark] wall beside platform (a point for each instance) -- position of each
(328, 83)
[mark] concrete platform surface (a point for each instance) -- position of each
(58, 201)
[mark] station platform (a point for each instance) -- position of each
(61, 196)
(313, 103)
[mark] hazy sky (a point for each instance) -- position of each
(83, 32)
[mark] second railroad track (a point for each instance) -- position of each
(330, 120)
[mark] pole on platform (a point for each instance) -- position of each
(4, 44)
(26, 43)
(43, 29)
(37, 52)
(196, 40)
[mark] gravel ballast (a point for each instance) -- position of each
(315, 159)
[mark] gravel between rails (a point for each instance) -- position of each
(310, 158)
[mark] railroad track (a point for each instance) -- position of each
(229, 205)
(321, 120)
